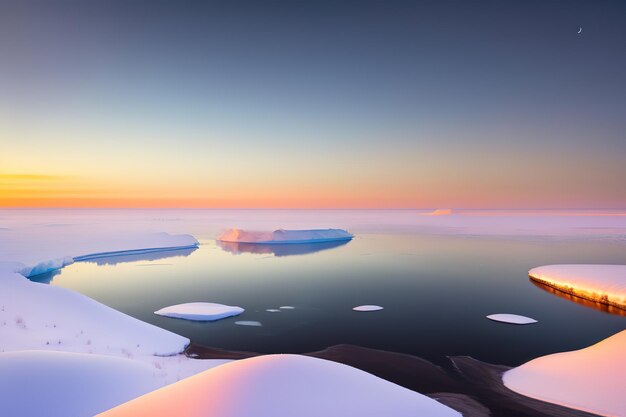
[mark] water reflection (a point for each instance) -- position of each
(146, 256)
(287, 249)
(582, 301)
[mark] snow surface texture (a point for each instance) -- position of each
(45, 383)
(590, 379)
(368, 307)
(285, 236)
(600, 283)
(200, 311)
(283, 386)
(511, 318)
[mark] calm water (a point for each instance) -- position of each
(436, 291)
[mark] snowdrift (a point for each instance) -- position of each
(589, 379)
(604, 284)
(283, 386)
(285, 236)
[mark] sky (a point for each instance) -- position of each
(267, 104)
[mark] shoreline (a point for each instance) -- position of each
(470, 386)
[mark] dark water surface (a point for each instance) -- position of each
(436, 291)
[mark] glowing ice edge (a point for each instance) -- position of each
(285, 236)
(589, 379)
(604, 284)
(511, 319)
(200, 311)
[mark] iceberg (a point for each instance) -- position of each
(367, 307)
(511, 318)
(285, 236)
(604, 284)
(200, 311)
(589, 379)
(283, 386)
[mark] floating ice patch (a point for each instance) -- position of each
(248, 323)
(200, 311)
(367, 307)
(285, 236)
(511, 318)
(286, 307)
(273, 310)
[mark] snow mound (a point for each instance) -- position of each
(285, 236)
(367, 307)
(511, 318)
(600, 283)
(283, 386)
(200, 311)
(44, 383)
(589, 379)
(250, 323)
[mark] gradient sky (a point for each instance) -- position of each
(481, 104)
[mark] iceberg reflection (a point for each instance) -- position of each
(144, 256)
(286, 249)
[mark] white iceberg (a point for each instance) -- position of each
(283, 386)
(250, 323)
(200, 311)
(285, 236)
(287, 307)
(604, 284)
(511, 318)
(590, 379)
(368, 307)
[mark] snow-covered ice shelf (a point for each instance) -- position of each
(200, 311)
(285, 236)
(604, 284)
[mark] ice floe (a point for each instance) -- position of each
(511, 318)
(284, 386)
(604, 284)
(250, 323)
(367, 307)
(590, 379)
(200, 311)
(285, 236)
(287, 307)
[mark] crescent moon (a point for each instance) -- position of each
(580, 30)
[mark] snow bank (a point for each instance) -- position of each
(511, 318)
(600, 283)
(285, 236)
(590, 379)
(283, 386)
(200, 311)
(48, 383)
(367, 308)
